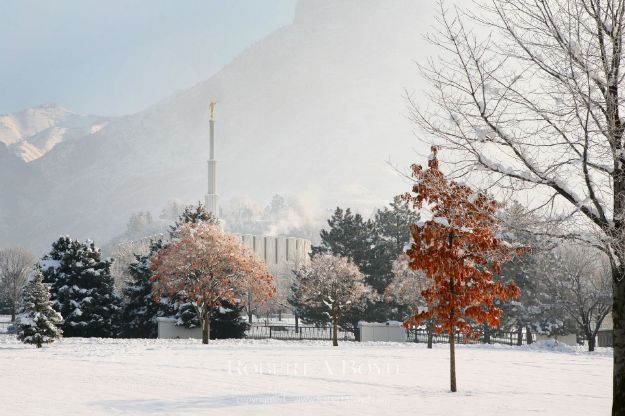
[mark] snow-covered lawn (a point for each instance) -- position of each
(163, 377)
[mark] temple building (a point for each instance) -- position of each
(276, 251)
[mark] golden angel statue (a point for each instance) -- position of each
(211, 108)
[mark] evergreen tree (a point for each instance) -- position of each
(372, 246)
(141, 309)
(82, 289)
(192, 214)
(348, 235)
(392, 226)
(228, 322)
(185, 313)
(351, 236)
(392, 234)
(37, 322)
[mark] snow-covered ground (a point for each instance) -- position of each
(269, 377)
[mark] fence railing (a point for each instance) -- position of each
(6, 327)
(508, 338)
(292, 332)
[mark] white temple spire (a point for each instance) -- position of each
(212, 199)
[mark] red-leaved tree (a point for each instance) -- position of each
(456, 244)
(207, 266)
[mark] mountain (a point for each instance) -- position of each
(33, 132)
(314, 109)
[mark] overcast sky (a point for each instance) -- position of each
(116, 57)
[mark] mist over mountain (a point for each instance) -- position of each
(315, 109)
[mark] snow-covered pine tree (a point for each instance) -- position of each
(192, 214)
(184, 312)
(82, 288)
(37, 322)
(228, 322)
(140, 308)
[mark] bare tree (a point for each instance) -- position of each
(406, 288)
(582, 288)
(15, 264)
(284, 275)
(124, 254)
(333, 284)
(528, 94)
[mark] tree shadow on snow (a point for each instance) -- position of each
(216, 402)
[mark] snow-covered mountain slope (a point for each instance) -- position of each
(316, 108)
(33, 132)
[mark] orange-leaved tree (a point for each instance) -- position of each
(456, 244)
(206, 266)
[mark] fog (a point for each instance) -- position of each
(312, 108)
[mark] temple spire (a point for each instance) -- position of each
(212, 199)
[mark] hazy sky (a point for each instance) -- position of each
(118, 56)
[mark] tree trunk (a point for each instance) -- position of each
(296, 324)
(519, 335)
(591, 342)
(356, 331)
(452, 360)
(206, 325)
(618, 319)
(249, 308)
(430, 333)
(452, 327)
(486, 330)
(335, 327)
(529, 339)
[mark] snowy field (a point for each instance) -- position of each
(171, 377)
